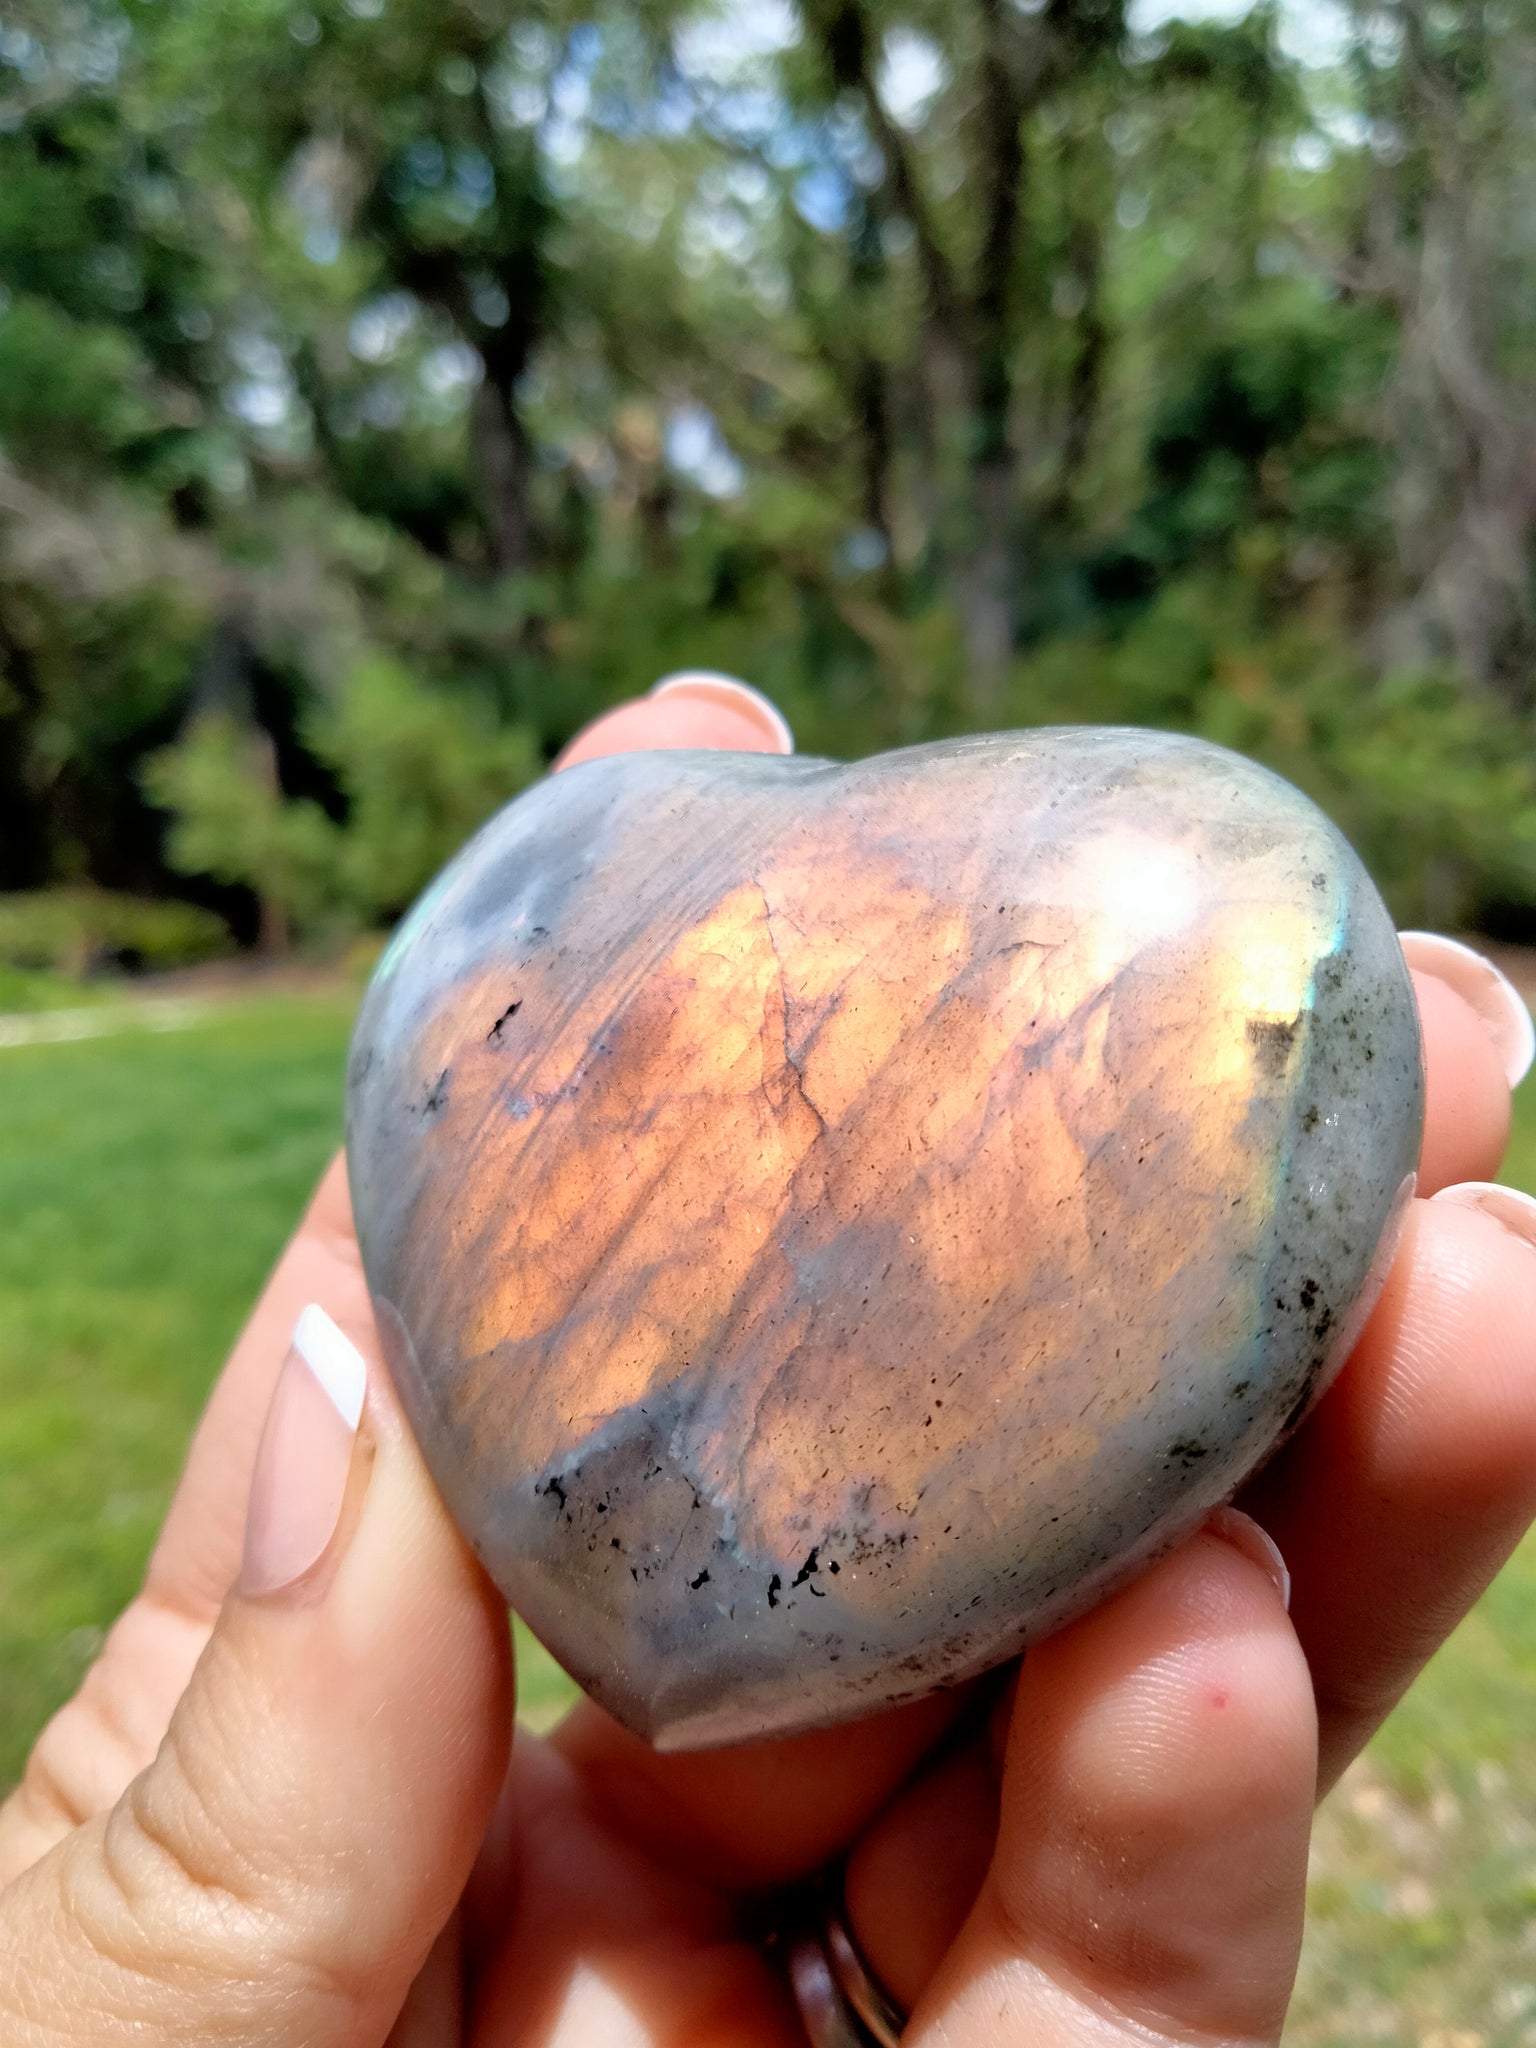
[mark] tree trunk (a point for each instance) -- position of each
(504, 460)
(989, 573)
(1464, 499)
(273, 931)
(986, 584)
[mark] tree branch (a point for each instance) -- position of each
(999, 133)
(850, 46)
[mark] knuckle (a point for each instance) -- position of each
(84, 1757)
(186, 1893)
(169, 1836)
(99, 1740)
(51, 1800)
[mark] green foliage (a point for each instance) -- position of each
(232, 822)
(1261, 424)
(385, 391)
(1436, 788)
(420, 771)
(75, 931)
(417, 771)
(66, 390)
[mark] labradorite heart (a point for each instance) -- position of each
(830, 1223)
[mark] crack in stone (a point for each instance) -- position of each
(790, 1061)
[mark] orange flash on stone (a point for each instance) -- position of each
(832, 1223)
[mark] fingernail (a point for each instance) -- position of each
(1232, 1526)
(1508, 1206)
(735, 696)
(1497, 1002)
(304, 1457)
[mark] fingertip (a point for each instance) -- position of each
(313, 1813)
(1196, 1628)
(704, 686)
(1456, 1361)
(1452, 1332)
(1156, 1806)
(1467, 1105)
(382, 1673)
(1254, 1542)
(1513, 1210)
(304, 1460)
(694, 710)
(1176, 1716)
(1487, 991)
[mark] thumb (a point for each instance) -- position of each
(280, 1871)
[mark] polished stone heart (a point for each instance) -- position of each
(829, 1224)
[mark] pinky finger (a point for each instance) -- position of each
(1150, 1871)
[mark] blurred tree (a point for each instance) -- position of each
(418, 771)
(233, 822)
(1441, 234)
(1008, 87)
(385, 385)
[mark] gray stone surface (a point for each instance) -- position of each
(830, 1224)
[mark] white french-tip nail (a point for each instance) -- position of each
(335, 1362)
(1256, 1544)
(1497, 1002)
(304, 1459)
(1507, 1206)
(739, 696)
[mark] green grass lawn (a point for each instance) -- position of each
(146, 1183)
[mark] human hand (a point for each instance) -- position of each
(283, 1812)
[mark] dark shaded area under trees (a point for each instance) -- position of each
(387, 386)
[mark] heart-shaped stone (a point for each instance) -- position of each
(829, 1224)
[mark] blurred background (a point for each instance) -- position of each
(386, 386)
